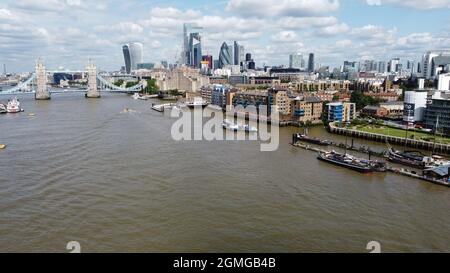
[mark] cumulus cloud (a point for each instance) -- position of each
(294, 8)
(417, 4)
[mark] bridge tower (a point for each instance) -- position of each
(92, 90)
(42, 92)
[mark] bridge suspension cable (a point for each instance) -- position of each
(21, 87)
(115, 88)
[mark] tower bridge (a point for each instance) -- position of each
(96, 83)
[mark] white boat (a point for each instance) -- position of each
(136, 96)
(228, 125)
(196, 102)
(13, 106)
(3, 108)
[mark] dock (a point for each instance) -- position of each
(161, 107)
(399, 171)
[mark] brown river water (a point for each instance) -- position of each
(81, 170)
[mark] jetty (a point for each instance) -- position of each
(161, 107)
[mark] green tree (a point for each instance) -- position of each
(118, 83)
(152, 87)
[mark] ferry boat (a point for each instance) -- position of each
(351, 162)
(13, 106)
(3, 109)
(228, 125)
(312, 140)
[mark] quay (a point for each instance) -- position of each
(161, 107)
(412, 143)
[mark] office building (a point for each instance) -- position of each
(311, 63)
(187, 51)
(430, 66)
(296, 61)
(225, 55)
(394, 65)
(238, 54)
(415, 103)
(437, 114)
(195, 50)
(382, 67)
(133, 55)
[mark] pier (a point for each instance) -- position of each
(398, 171)
(438, 148)
(161, 107)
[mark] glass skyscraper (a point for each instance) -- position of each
(195, 50)
(188, 48)
(133, 55)
(225, 55)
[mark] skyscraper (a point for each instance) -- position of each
(187, 53)
(394, 65)
(195, 50)
(133, 55)
(296, 61)
(428, 66)
(225, 55)
(311, 62)
(238, 53)
(382, 67)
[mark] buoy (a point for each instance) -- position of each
(2, 146)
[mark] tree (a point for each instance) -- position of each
(152, 87)
(118, 83)
(362, 100)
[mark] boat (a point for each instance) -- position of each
(2, 146)
(228, 125)
(197, 102)
(136, 96)
(13, 106)
(351, 162)
(312, 140)
(3, 109)
(409, 158)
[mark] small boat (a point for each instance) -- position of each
(312, 140)
(3, 109)
(2, 146)
(136, 96)
(228, 125)
(13, 106)
(197, 102)
(31, 114)
(351, 162)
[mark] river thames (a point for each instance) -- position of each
(80, 170)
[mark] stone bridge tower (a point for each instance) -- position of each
(42, 92)
(92, 90)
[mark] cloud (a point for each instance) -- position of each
(293, 8)
(417, 4)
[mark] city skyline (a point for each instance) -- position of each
(334, 30)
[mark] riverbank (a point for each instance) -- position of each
(438, 148)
